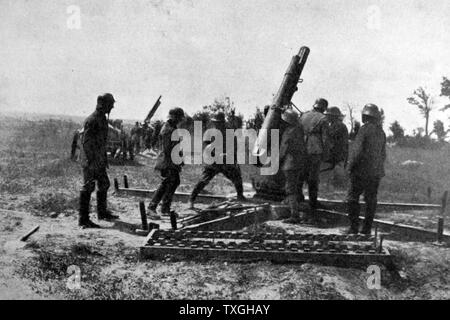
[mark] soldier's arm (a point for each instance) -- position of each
(284, 144)
(89, 143)
(166, 142)
(357, 149)
(325, 139)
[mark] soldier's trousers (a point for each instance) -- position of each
(312, 174)
(91, 176)
(164, 193)
(291, 187)
(368, 186)
(231, 172)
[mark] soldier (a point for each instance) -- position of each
(338, 137)
(136, 137)
(230, 171)
(366, 167)
(315, 128)
(94, 162)
(170, 172)
(292, 161)
(148, 133)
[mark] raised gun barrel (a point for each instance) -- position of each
(152, 111)
(273, 184)
(281, 99)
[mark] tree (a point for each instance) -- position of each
(256, 121)
(351, 108)
(424, 102)
(398, 133)
(445, 91)
(439, 131)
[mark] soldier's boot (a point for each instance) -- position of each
(197, 189)
(240, 191)
(353, 215)
(83, 221)
(102, 212)
(152, 214)
(368, 219)
(294, 209)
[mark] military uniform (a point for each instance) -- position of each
(338, 142)
(94, 163)
(315, 128)
(292, 162)
(366, 167)
(170, 172)
(93, 153)
(231, 171)
(136, 133)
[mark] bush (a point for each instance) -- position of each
(51, 202)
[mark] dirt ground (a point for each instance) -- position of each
(41, 188)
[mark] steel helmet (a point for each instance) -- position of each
(321, 103)
(371, 110)
(290, 116)
(176, 113)
(218, 117)
(333, 111)
(106, 98)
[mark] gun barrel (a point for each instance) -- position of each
(282, 98)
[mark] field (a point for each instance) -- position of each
(39, 186)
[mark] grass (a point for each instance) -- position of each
(34, 164)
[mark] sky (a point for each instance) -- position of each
(58, 56)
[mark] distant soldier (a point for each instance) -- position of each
(230, 171)
(148, 134)
(170, 172)
(366, 167)
(292, 161)
(136, 132)
(315, 128)
(94, 162)
(338, 137)
(74, 147)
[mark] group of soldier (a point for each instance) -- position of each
(142, 137)
(318, 136)
(308, 140)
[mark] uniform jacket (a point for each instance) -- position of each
(338, 142)
(222, 129)
(292, 149)
(164, 159)
(94, 140)
(315, 128)
(368, 151)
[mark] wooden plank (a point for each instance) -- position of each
(178, 196)
(348, 259)
(405, 231)
(29, 233)
(184, 196)
(235, 222)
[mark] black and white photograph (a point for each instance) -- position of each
(247, 152)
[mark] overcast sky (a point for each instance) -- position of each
(193, 51)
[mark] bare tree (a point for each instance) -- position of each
(352, 110)
(424, 102)
(445, 91)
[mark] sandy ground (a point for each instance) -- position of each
(110, 266)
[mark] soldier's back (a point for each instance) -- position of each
(372, 145)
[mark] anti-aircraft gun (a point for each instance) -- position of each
(272, 186)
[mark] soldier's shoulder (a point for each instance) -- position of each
(90, 119)
(342, 126)
(167, 128)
